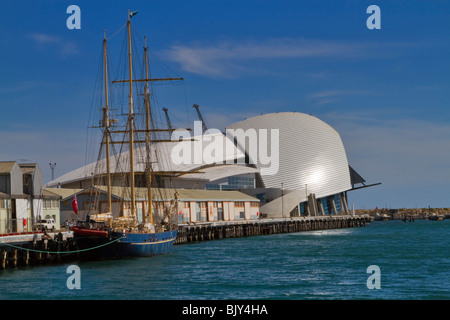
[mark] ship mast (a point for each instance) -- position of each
(148, 130)
(147, 137)
(106, 123)
(131, 116)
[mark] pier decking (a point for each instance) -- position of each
(188, 233)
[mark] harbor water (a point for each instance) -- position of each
(413, 260)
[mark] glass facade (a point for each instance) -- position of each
(233, 183)
(327, 205)
(303, 207)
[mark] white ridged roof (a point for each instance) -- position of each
(310, 153)
(207, 165)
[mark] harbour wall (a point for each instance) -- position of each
(188, 233)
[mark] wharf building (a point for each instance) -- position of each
(194, 206)
(23, 200)
(226, 176)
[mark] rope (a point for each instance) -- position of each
(75, 251)
(117, 32)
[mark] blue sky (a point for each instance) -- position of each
(385, 91)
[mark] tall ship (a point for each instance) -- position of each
(135, 232)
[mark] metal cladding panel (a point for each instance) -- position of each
(311, 154)
(199, 157)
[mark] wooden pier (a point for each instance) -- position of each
(35, 248)
(188, 233)
(57, 247)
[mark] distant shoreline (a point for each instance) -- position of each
(405, 213)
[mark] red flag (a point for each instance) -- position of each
(75, 204)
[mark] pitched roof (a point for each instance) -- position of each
(62, 192)
(6, 166)
(27, 167)
(165, 194)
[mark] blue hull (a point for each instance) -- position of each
(123, 245)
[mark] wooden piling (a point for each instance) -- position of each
(3, 258)
(222, 230)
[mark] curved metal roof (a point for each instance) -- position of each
(304, 152)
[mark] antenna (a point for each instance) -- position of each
(52, 167)
(196, 106)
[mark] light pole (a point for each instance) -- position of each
(52, 167)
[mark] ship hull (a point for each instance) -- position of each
(125, 245)
(143, 244)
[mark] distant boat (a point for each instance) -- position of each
(381, 217)
(436, 217)
(131, 235)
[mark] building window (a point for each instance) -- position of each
(219, 211)
(241, 183)
(233, 183)
(303, 208)
(199, 212)
(337, 201)
(239, 204)
(2, 204)
(54, 204)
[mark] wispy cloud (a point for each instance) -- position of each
(42, 38)
(45, 41)
(324, 97)
(226, 58)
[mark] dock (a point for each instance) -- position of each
(188, 233)
(35, 248)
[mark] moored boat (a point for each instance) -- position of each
(103, 235)
(436, 217)
(381, 217)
